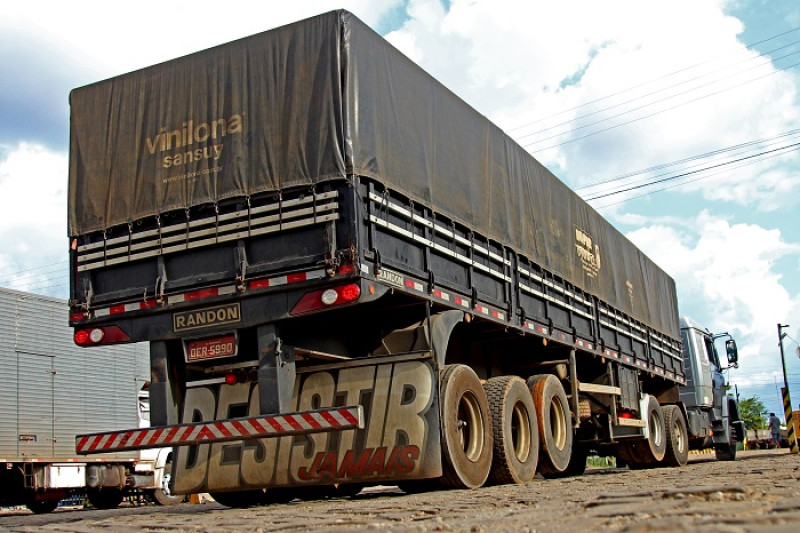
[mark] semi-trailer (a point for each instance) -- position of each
(348, 276)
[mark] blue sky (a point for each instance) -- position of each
(596, 89)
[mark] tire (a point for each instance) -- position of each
(240, 499)
(466, 429)
(105, 498)
(555, 427)
(577, 463)
(677, 437)
(726, 452)
(163, 495)
(515, 431)
(624, 457)
(653, 449)
(636, 455)
(42, 506)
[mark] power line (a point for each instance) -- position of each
(33, 275)
(705, 155)
(34, 268)
(37, 289)
(691, 172)
(650, 115)
(747, 47)
(770, 61)
(674, 186)
(38, 279)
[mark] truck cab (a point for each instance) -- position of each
(712, 416)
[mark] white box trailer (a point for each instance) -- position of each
(50, 391)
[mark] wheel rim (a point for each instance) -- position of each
(680, 439)
(655, 427)
(520, 432)
(470, 426)
(165, 485)
(558, 425)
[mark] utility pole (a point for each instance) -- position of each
(787, 402)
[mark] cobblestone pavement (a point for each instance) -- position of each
(758, 492)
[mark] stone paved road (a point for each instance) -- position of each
(759, 492)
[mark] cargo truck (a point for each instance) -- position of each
(348, 276)
(51, 391)
(712, 415)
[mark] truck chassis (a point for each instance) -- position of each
(411, 293)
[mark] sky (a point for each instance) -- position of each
(678, 120)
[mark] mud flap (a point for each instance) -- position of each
(400, 439)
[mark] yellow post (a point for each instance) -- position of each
(787, 401)
(790, 427)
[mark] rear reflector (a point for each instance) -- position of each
(103, 335)
(329, 297)
(322, 299)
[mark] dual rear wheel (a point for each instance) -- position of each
(505, 430)
(667, 442)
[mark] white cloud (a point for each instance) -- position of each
(727, 275)
(124, 36)
(544, 65)
(516, 62)
(33, 231)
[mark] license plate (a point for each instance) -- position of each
(215, 348)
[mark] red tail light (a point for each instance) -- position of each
(332, 297)
(350, 293)
(102, 335)
(82, 337)
(241, 376)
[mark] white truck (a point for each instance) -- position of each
(348, 276)
(52, 390)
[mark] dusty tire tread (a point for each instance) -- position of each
(547, 457)
(673, 457)
(451, 477)
(498, 390)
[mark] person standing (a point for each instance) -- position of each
(775, 429)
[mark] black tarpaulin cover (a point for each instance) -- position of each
(318, 100)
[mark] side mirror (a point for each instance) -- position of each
(733, 353)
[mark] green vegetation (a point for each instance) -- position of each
(753, 412)
(594, 460)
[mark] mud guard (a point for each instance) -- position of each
(419, 336)
(400, 439)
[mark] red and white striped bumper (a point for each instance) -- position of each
(333, 419)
